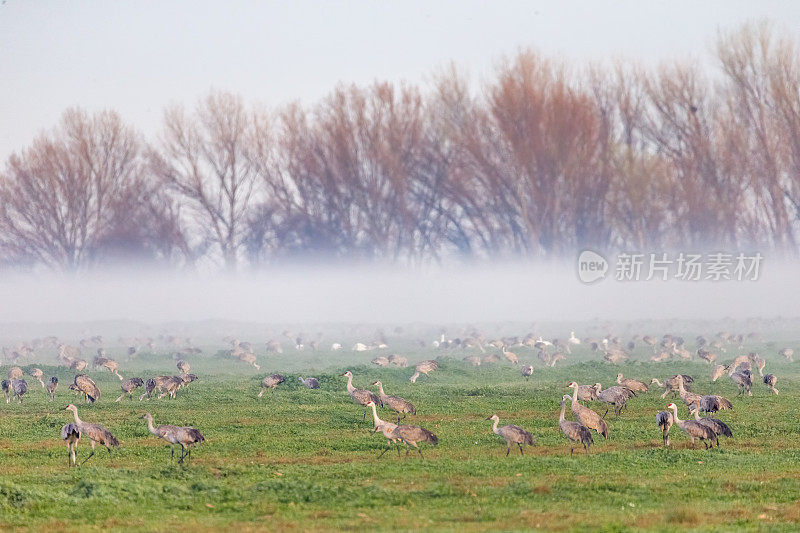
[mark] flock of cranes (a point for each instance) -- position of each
(579, 431)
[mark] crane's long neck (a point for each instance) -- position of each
(563, 410)
(696, 414)
(655, 380)
(350, 387)
(494, 426)
(150, 425)
(380, 389)
(619, 380)
(378, 421)
(680, 387)
(675, 415)
(575, 395)
(77, 420)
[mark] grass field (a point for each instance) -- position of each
(303, 459)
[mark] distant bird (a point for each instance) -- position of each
(398, 360)
(587, 393)
(396, 403)
(424, 367)
(361, 396)
(474, 360)
(758, 362)
(20, 387)
(573, 339)
(52, 385)
(152, 385)
(770, 380)
(37, 374)
(96, 433)
(558, 356)
(715, 425)
(717, 371)
(586, 416)
(7, 390)
(490, 358)
(664, 419)
(527, 371)
(183, 366)
(14, 372)
(512, 434)
(574, 431)
(380, 361)
(704, 354)
(128, 386)
(412, 435)
(617, 396)
(271, 382)
(511, 356)
(310, 383)
(788, 354)
(632, 384)
(185, 436)
(692, 428)
(744, 380)
(83, 384)
(71, 435)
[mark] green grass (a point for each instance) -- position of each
(302, 459)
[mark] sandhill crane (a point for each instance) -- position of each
(398, 360)
(96, 433)
(83, 384)
(474, 360)
(52, 385)
(741, 362)
(37, 374)
(787, 353)
(573, 339)
(758, 362)
(527, 371)
(770, 380)
(692, 428)
(380, 361)
(128, 386)
(558, 356)
(586, 416)
(7, 390)
(185, 436)
(250, 359)
(20, 387)
(71, 434)
(614, 356)
(711, 403)
(617, 396)
(715, 425)
(152, 385)
(512, 434)
(660, 357)
(310, 383)
(361, 396)
(384, 427)
(587, 393)
(717, 371)
(707, 356)
(632, 384)
(510, 356)
(744, 380)
(574, 431)
(424, 367)
(396, 403)
(271, 382)
(183, 366)
(664, 419)
(13, 373)
(412, 435)
(490, 358)
(689, 398)
(336, 346)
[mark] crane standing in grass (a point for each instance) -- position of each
(692, 428)
(411, 435)
(71, 434)
(770, 380)
(128, 386)
(361, 396)
(586, 416)
(384, 427)
(96, 433)
(512, 434)
(396, 403)
(185, 436)
(664, 419)
(271, 382)
(717, 426)
(574, 431)
(52, 385)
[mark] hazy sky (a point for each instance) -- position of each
(138, 56)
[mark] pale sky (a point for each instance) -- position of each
(139, 56)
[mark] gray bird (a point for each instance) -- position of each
(271, 382)
(744, 380)
(20, 387)
(310, 383)
(361, 396)
(574, 431)
(399, 405)
(128, 386)
(412, 435)
(717, 426)
(52, 385)
(512, 434)
(71, 434)
(692, 428)
(664, 419)
(770, 380)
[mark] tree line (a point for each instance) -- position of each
(544, 159)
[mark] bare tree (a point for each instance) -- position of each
(206, 160)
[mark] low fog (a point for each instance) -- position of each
(494, 293)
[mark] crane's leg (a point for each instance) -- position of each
(571, 450)
(604, 414)
(90, 455)
(520, 449)
(183, 454)
(120, 397)
(508, 449)
(172, 449)
(420, 453)
(386, 450)
(260, 394)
